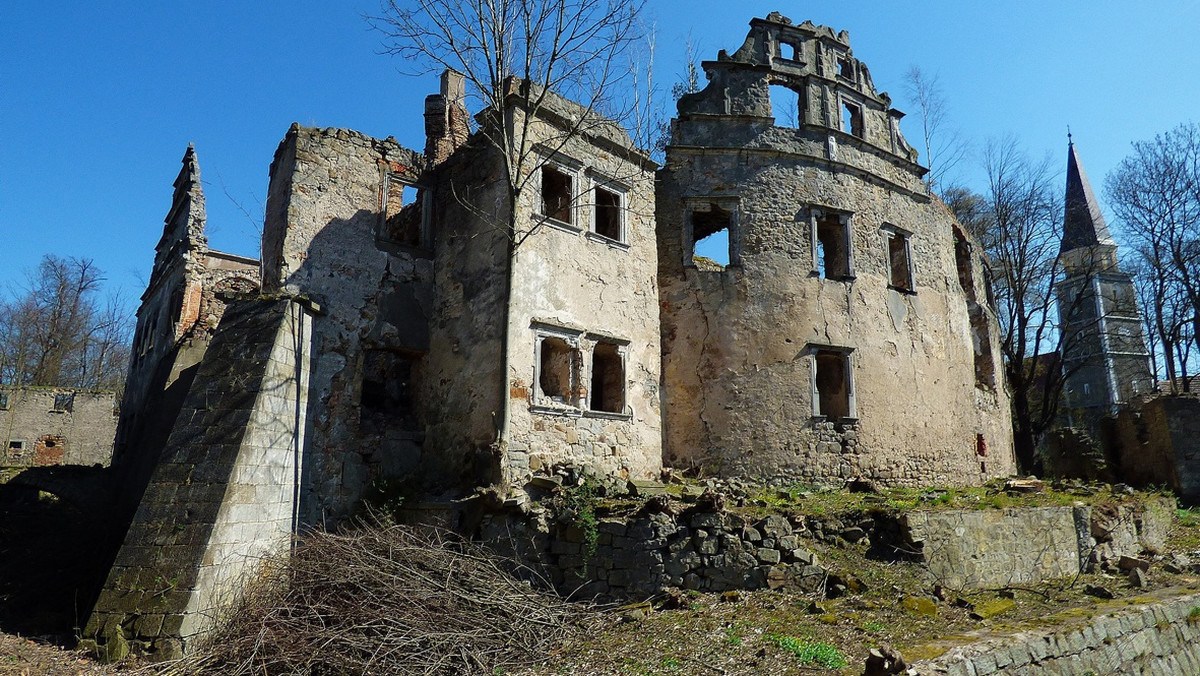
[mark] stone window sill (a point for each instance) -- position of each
(559, 410)
(608, 415)
(612, 243)
(559, 225)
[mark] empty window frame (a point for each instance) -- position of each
(712, 236)
(608, 212)
(557, 194)
(16, 446)
(846, 68)
(832, 255)
(852, 119)
(403, 212)
(786, 106)
(898, 248)
(789, 50)
(64, 403)
(558, 371)
(832, 383)
(607, 392)
(3, 401)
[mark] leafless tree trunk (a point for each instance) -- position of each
(944, 146)
(516, 57)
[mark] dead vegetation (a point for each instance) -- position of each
(387, 599)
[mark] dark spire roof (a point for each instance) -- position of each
(1083, 224)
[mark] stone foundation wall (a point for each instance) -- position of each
(1156, 638)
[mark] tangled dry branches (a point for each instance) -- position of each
(387, 600)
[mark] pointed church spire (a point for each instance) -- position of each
(1083, 224)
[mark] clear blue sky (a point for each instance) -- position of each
(99, 100)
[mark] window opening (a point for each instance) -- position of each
(387, 389)
(556, 194)
(712, 247)
(833, 383)
(981, 342)
(789, 51)
(899, 260)
(962, 261)
(785, 106)
(16, 445)
(402, 213)
(608, 378)
(833, 246)
(846, 68)
(64, 402)
(852, 119)
(608, 214)
(3, 401)
(556, 371)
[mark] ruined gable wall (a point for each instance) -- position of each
(569, 281)
(321, 241)
(80, 434)
(737, 343)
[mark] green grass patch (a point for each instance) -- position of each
(821, 654)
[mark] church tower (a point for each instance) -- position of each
(1104, 351)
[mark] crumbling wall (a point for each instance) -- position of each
(43, 426)
(1158, 443)
(325, 239)
(891, 300)
(224, 494)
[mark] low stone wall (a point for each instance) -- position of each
(1154, 638)
(995, 548)
(715, 551)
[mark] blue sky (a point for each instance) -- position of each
(99, 100)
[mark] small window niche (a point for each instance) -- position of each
(608, 214)
(387, 390)
(786, 106)
(832, 383)
(557, 194)
(846, 68)
(711, 225)
(403, 218)
(899, 259)
(607, 393)
(3, 401)
(64, 403)
(831, 245)
(557, 371)
(852, 119)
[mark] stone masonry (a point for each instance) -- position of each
(42, 426)
(845, 333)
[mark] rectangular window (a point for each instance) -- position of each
(403, 220)
(16, 447)
(712, 235)
(899, 257)
(852, 119)
(3, 401)
(608, 214)
(846, 68)
(64, 403)
(608, 378)
(557, 375)
(557, 194)
(832, 384)
(831, 245)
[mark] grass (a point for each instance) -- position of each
(821, 654)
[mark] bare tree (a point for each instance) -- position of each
(944, 146)
(517, 58)
(1155, 193)
(1017, 222)
(57, 331)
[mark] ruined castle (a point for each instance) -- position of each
(407, 320)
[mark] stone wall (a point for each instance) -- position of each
(1159, 444)
(1160, 637)
(715, 551)
(224, 495)
(996, 548)
(897, 299)
(325, 239)
(43, 426)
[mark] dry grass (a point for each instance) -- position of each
(387, 599)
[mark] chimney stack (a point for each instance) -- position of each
(446, 128)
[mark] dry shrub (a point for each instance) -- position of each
(386, 599)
